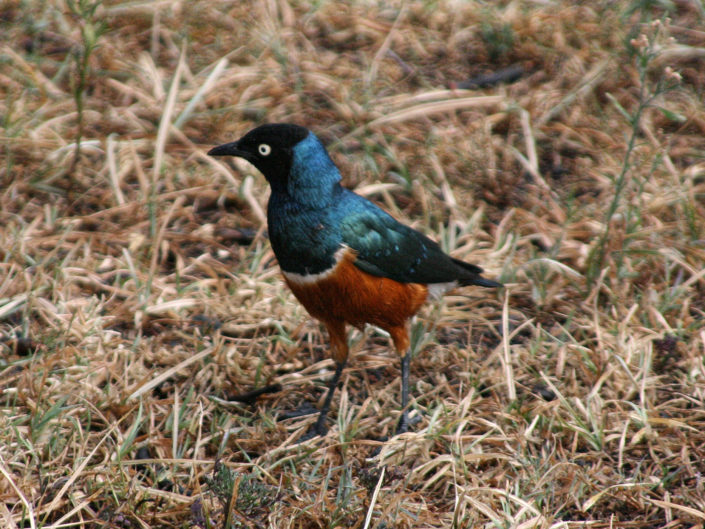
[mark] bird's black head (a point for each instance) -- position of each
(268, 147)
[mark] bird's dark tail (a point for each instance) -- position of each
(474, 277)
(482, 282)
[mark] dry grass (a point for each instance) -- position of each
(138, 292)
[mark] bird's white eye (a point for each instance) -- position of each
(264, 149)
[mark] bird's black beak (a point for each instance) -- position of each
(229, 149)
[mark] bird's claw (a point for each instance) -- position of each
(405, 422)
(316, 430)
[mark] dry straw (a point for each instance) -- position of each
(139, 294)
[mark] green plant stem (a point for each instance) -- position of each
(597, 255)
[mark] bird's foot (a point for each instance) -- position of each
(317, 429)
(405, 422)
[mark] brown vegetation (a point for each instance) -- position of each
(139, 294)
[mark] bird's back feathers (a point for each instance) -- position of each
(388, 248)
(311, 217)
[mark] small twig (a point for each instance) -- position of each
(373, 501)
(506, 358)
(382, 51)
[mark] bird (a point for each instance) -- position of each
(344, 258)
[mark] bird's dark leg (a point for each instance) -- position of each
(319, 427)
(403, 425)
(339, 346)
(400, 337)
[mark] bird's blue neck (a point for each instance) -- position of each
(313, 177)
(301, 214)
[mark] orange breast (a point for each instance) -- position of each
(352, 296)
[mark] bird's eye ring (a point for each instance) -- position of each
(264, 149)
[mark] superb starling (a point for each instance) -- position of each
(346, 260)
